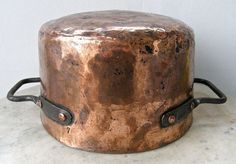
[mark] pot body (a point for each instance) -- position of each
(117, 71)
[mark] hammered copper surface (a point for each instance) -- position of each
(117, 71)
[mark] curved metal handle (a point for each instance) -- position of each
(222, 98)
(176, 114)
(13, 90)
(55, 112)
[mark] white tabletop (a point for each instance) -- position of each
(211, 139)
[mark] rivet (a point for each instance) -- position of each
(61, 117)
(171, 119)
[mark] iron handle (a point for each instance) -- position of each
(222, 98)
(13, 90)
(55, 112)
(176, 114)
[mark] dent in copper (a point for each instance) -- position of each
(117, 71)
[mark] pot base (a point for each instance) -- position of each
(153, 138)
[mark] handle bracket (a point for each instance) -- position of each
(55, 112)
(176, 114)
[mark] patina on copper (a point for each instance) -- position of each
(117, 71)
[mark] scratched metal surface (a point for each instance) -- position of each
(117, 71)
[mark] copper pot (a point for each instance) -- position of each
(116, 81)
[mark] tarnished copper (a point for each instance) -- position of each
(117, 71)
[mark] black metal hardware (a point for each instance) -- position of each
(174, 115)
(12, 91)
(55, 112)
